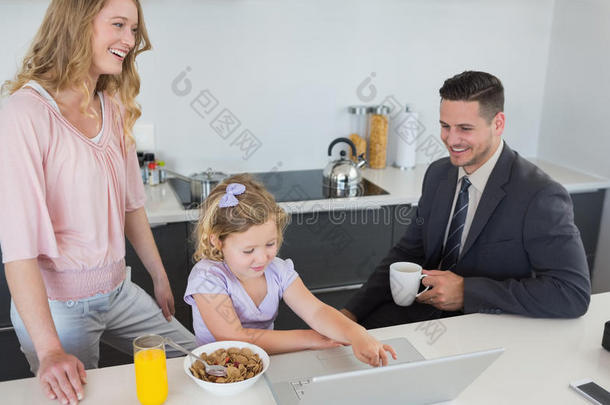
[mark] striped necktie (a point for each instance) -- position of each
(451, 252)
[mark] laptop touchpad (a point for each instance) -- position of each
(342, 359)
(340, 363)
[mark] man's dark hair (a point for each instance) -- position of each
(476, 86)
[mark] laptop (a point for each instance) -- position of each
(335, 376)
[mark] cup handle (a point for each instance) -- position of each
(425, 289)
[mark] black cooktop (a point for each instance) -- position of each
(305, 185)
(288, 186)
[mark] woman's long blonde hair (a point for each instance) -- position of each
(61, 54)
(255, 206)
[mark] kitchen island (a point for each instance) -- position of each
(541, 358)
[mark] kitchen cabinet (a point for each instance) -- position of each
(336, 298)
(337, 248)
(5, 298)
(171, 241)
(335, 252)
(588, 209)
(14, 364)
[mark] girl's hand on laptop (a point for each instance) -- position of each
(371, 351)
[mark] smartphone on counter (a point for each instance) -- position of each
(593, 392)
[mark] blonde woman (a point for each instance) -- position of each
(71, 191)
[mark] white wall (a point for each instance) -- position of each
(288, 69)
(574, 127)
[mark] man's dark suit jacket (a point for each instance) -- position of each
(522, 255)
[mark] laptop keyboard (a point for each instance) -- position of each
(299, 387)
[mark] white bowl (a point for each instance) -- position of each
(225, 389)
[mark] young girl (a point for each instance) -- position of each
(236, 286)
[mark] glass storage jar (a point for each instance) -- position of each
(378, 136)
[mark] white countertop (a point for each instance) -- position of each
(541, 358)
(403, 186)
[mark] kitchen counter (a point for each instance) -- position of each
(403, 186)
(541, 358)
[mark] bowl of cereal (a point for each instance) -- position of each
(245, 364)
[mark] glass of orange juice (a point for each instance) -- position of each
(151, 370)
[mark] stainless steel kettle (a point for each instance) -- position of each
(343, 174)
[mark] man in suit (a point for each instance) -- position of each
(494, 233)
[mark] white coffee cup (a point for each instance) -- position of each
(405, 278)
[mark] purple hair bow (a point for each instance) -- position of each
(229, 200)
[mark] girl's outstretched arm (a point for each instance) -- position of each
(330, 322)
(219, 315)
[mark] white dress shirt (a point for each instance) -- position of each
(478, 178)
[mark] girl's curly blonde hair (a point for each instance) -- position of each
(61, 54)
(255, 206)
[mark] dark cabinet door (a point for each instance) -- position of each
(404, 215)
(14, 364)
(109, 356)
(336, 298)
(588, 209)
(171, 242)
(337, 248)
(5, 298)
(334, 252)
(190, 244)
